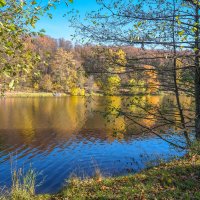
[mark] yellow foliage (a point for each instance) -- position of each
(112, 85)
(116, 60)
(137, 86)
(114, 80)
(78, 92)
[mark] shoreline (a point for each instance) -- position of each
(43, 94)
(51, 94)
(178, 179)
(32, 94)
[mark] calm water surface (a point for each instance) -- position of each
(63, 136)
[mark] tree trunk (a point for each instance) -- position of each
(197, 73)
(176, 89)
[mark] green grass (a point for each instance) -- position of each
(178, 179)
(23, 186)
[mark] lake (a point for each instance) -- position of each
(64, 136)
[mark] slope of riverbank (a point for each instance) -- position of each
(179, 179)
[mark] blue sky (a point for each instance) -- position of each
(58, 27)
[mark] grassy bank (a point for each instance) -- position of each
(179, 179)
(175, 180)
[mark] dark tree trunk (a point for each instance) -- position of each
(197, 73)
(176, 90)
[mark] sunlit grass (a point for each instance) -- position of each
(23, 186)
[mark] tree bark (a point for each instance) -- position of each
(197, 73)
(176, 90)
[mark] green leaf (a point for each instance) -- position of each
(2, 3)
(180, 33)
(32, 22)
(71, 1)
(139, 24)
(194, 29)
(12, 27)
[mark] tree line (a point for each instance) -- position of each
(56, 65)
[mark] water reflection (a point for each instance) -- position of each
(64, 135)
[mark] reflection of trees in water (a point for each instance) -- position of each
(150, 113)
(170, 109)
(104, 121)
(61, 113)
(150, 118)
(29, 118)
(140, 110)
(46, 123)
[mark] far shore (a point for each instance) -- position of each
(33, 94)
(61, 94)
(42, 94)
